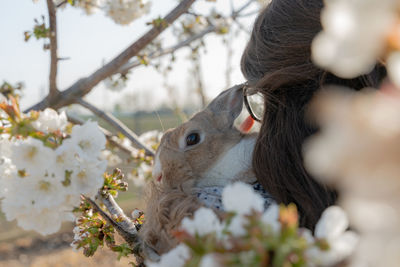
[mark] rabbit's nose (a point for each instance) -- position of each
(157, 169)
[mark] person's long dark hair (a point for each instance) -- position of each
(278, 61)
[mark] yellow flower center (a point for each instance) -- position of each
(31, 153)
(44, 186)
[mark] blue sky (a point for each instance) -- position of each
(89, 41)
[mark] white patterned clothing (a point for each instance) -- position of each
(212, 196)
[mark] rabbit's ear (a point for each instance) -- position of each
(229, 103)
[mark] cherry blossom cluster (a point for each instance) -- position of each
(249, 235)
(357, 148)
(46, 165)
(358, 152)
(120, 11)
(356, 34)
(125, 11)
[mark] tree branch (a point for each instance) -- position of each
(53, 49)
(124, 226)
(117, 124)
(110, 137)
(162, 52)
(85, 85)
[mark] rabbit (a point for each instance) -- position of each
(206, 151)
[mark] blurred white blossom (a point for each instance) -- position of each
(89, 6)
(209, 260)
(204, 222)
(151, 138)
(174, 258)
(50, 121)
(191, 25)
(125, 11)
(241, 198)
(332, 227)
(271, 218)
(357, 150)
(112, 158)
(353, 35)
(236, 226)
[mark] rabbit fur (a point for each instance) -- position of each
(222, 155)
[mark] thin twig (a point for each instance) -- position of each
(170, 50)
(110, 137)
(117, 124)
(85, 85)
(62, 3)
(240, 25)
(53, 49)
(251, 13)
(237, 12)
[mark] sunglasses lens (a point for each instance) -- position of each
(256, 103)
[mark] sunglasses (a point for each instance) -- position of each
(254, 102)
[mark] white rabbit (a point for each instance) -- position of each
(207, 150)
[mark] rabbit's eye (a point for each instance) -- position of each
(192, 139)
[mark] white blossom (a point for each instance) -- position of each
(144, 171)
(332, 227)
(112, 158)
(353, 35)
(209, 260)
(50, 121)
(31, 155)
(125, 11)
(7, 172)
(67, 156)
(307, 235)
(357, 151)
(87, 178)
(114, 83)
(89, 6)
(237, 225)
(241, 198)
(151, 138)
(5, 147)
(39, 186)
(45, 221)
(221, 23)
(191, 25)
(88, 137)
(176, 257)
(204, 222)
(271, 218)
